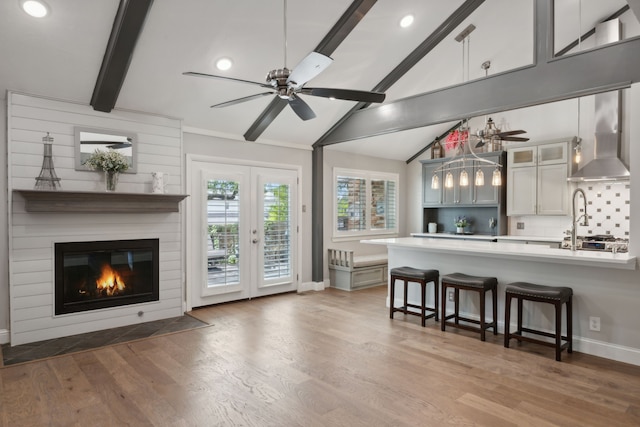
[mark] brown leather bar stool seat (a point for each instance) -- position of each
(422, 277)
(460, 281)
(557, 296)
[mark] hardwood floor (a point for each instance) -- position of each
(329, 358)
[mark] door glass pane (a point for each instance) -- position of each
(223, 214)
(277, 231)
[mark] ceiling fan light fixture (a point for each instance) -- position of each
(406, 21)
(223, 64)
(35, 8)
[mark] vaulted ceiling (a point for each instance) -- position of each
(60, 56)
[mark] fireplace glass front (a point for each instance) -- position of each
(101, 274)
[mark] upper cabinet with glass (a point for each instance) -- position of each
(575, 23)
(89, 140)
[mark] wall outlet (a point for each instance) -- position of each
(594, 323)
(451, 293)
(520, 225)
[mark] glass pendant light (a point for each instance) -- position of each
(479, 178)
(464, 178)
(448, 180)
(496, 179)
(435, 182)
(578, 156)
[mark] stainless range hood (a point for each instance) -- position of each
(606, 163)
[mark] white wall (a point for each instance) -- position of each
(32, 235)
(241, 151)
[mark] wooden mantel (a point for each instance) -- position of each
(94, 202)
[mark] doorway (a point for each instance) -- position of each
(244, 232)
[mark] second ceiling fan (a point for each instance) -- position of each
(288, 84)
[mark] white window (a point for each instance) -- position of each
(365, 203)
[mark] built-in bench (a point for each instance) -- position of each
(349, 272)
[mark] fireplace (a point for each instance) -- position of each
(101, 274)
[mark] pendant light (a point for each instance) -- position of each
(435, 182)
(448, 180)
(496, 178)
(479, 181)
(464, 178)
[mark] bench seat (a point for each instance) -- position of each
(349, 272)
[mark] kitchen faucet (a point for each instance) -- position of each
(574, 220)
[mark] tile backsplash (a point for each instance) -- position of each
(607, 207)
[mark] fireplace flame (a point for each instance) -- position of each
(110, 283)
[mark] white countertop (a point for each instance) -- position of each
(517, 251)
(487, 237)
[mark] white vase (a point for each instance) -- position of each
(460, 230)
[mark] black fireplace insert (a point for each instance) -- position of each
(100, 274)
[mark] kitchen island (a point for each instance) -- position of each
(605, 285)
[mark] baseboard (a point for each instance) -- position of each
(311, 286)
(5, 337)
(607, 350)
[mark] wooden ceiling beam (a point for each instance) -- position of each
(126, 29)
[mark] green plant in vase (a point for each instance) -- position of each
(461, 223)
(111, 163)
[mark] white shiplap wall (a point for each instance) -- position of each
(32, 235)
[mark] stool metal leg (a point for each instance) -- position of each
(483, 323)
(443, 311)
(423, 285)
(494, 294)
(392, 296)
(569, 327)
(507, 319)
(406, 287)
(558, 307)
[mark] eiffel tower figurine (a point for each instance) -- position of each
(47, 180)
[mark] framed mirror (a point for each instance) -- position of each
(89, 140)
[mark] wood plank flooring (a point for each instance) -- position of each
(329, 358)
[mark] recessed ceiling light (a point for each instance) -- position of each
(224, 64)
(35, 8)
(406, 21)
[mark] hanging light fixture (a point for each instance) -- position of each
(578, 149)
(496, 178)
(464, 178)
(448, 180)
(459, 137)
(435, 182)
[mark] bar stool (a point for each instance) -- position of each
(410, 274)
(460, 281)
(548, 294)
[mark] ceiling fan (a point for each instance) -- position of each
(289, 84)
(491, 132)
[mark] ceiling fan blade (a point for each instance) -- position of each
(480, 143)
(213, 76)
(240, 100)
(511, 132)
(514, 138)
(346, 94)
(301, 108)
(312, 65)
(119, 145)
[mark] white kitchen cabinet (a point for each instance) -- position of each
(537, 179)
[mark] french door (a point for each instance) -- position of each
(244, 232)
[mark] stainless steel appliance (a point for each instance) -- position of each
(598, 242)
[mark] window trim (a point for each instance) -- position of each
(368, 176)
